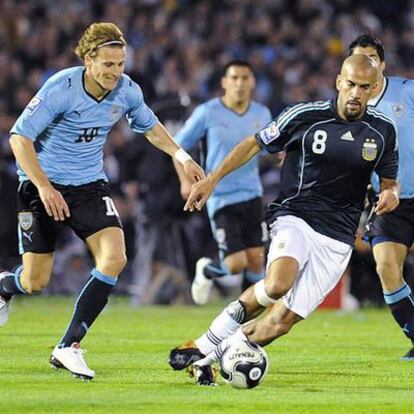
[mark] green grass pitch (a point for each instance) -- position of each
(332, 363)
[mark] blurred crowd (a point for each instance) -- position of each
(176, 49)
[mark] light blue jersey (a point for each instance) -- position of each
(396, 100)
(69, 126)
(223, 129)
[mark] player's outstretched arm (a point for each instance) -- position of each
(161, 138)
(200, 192)
(25, 155)
(388, 197)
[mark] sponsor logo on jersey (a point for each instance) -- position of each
(347, 136)
(270, 133)
(116, 113)
(369, 149)
(398, 110)
(33, 104)
(25, 220)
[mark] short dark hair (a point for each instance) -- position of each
(367, 40)
(236, 62)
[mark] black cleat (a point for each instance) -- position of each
(184, 355)
(409, 356)
(204, 375)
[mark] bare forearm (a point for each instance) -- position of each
(241, 154)
(161, 138)
(25, 155)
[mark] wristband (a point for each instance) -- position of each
(182, 157)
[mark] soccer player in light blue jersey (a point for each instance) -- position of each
(392, 234)
(235, 208)
(58, 144)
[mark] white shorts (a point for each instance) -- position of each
(322, 261)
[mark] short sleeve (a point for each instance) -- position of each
(139, 116)
(193, 130)
(278, 134)
(38, 115)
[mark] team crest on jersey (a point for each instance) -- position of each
(270, 133)
(25, 220)
(33, 104)
(116, 113)
(221, 239)
(398, 110)
(369, 150)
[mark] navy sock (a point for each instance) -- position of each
(250, 278)
(10, 285)
(214, 270)
(89, 304)
(401, 303)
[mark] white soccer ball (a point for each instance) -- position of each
(244, 364)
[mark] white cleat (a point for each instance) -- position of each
(71, 358)
(4, 303)
(201, 286)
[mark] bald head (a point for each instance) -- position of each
(356, 83)
(360, 63)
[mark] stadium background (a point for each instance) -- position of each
(176, 50)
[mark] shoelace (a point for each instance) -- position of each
(78, 351)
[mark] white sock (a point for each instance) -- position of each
(216, 354)
(221, 328)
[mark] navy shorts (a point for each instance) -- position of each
(397, 226)
(90, 206)
(240, 226)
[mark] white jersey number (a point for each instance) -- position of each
(110, 207)
(319, 141)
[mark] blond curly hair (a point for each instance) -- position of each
(96, 35)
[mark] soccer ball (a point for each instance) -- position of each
(244, 364)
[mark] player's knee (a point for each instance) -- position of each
(235, 268)
(113, 264)
(34, 282)
(276, 287)
(236, 265)
(388, 270)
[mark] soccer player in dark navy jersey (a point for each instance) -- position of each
(391, 235)
(332, 149)
(58, 143)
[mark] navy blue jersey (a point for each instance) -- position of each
(328, 164)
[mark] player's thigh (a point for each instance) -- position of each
(253, 225)
(327, 261)
(37, 232)
(227, 231)
(236, 262)
(390, 257)
(397, 226)
(108, 249)
(255, 258)
(37, 270)
(288, 253)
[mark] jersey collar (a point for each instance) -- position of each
(234, 112)
(90, 95)
(375, 101)
(334, 110)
